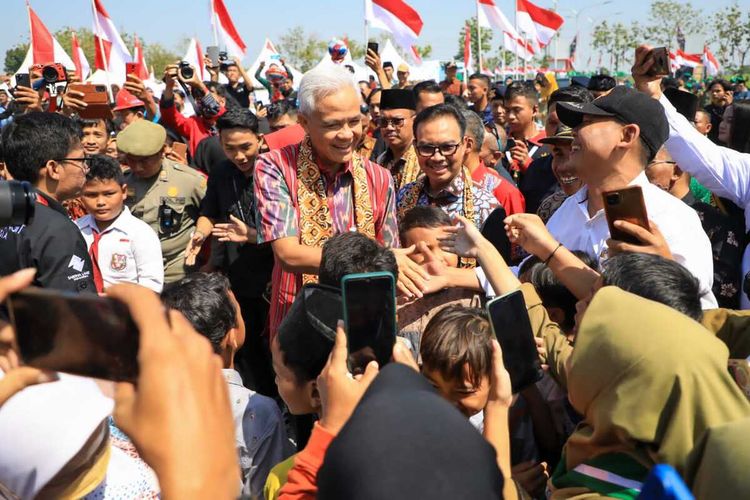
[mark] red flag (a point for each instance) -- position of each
(223, 24)
(396, 17)
(713, 67)
(541, 24)
(468, 69)
(140, 60)
(111, 52)
(44, 48)
(79, 58)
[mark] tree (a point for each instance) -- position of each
(486, 41)
(618, 40)
(14, 56)
(301, 49)
(668, 17)
(732, 34)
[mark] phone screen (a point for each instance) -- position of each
(85, 335)
(510, 322)
(661, 61)
(370, 317)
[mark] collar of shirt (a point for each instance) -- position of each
(232, 376)
(452, 191)
(582, 196)
(120, 222)
(50, 202)
(538, 137)
(689, 199)
(331, 176)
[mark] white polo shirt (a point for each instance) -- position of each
(129, 251)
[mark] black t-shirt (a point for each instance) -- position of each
(537, 182)
(208, 154)
(248, 266)
(240, 94)
(716, 113)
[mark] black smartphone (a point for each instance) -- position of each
(23, 80)
(373, 46)
(510, 322)
(370, 318)
(625, 204)
(661, 64)
(85, 335)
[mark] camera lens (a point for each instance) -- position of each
(613, 199)
(17, 202)
(186, 72)
(49, 73)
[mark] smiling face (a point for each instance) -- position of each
(94, 138)
(565, 171)
(593, 142)
(241, 147)
(334, 127)
(441, 131)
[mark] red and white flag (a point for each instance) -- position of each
(713, 67)
(517, 45)
(79, 58)
(140, 60)
(540, 24)
(490, 16)
(468, 64)
(44, 48)
(398, 18)
(222, 23)
(194, 56)
(111, 52)
(690, 60)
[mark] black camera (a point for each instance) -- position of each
(54, 73)
(223, 58)
(186, 71)
(17, 202)
(169, 219)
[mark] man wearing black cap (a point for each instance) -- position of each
(395, 123)
(614, 138)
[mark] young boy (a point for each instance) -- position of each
(208, 303)
(122, 247)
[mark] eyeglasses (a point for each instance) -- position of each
(429, 150)
(83, 165)
(657, 162)
(397, 122)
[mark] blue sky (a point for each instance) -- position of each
(169, 21)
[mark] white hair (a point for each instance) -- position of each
(320, 82)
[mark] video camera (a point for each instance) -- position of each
(17, 202)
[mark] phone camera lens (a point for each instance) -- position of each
(613, 199)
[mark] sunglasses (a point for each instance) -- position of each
(429, 150)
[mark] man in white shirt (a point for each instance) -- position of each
(122, 247)
(615, 137)
(721, 170)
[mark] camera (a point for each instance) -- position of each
(17, 202)
(54, 73)
(185, 70)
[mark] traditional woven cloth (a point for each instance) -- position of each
(410, 170)
(315, 221)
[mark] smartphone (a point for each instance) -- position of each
(97, 100)
(180, 148)
(661, 64)
(369, 303)
(131, 68)
(512, 327)
(625, 204)
(373, 46)
(212, 51)
(509, 144)
(84, 335)
(23, 80)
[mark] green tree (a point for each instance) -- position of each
(14, 57)
(301, 49)
(618, 41)
(732, 35)
(668, 17)
(486, 41)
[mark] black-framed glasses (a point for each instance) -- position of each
(83, 165)
(429, 150)
(397, 122)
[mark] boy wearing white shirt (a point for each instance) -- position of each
(122, 247)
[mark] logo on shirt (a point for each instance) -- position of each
(119, 262)
(76, 263)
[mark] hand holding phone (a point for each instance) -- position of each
(373, 46)
(625, 204)
(661, 64)
(131, 68)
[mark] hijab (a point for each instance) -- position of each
(404, 441)
(648, 380)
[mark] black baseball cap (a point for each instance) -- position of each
(627, 105)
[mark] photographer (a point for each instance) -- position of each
(233, 70)
(194, 128)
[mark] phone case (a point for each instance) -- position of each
(625, 204)
(97, 99)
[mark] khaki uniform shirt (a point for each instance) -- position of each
(169, 203)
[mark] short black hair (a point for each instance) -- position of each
(479, 76)
(719, 81)
(474, 128)
(440, 111)
(423, 216)
(280, 108)
(456, 101)
(429, 86)
(655, 278)
(572, 93)
(601, 83)
(238, 118)
(203, 298)
(374, 92)
(387, 64)
(33, 139)
(93, 122)
(522, 89)
(304, 352)
(103, 167)
(351, 252)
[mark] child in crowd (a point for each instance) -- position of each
(122, 248)
(209, 305)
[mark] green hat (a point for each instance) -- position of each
(563, 134)
(141, 138)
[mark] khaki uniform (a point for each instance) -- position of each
(169, 203)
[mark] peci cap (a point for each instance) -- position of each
(563, 134)
(685, 103)
(627, 105)
(141, 138)
(398, 99)
(317, 308)
(451, 65)
(126, 100)
(403, 68)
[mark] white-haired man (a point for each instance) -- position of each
(308, 192)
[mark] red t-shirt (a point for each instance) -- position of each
(506, 193)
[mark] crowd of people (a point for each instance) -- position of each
(226, 225)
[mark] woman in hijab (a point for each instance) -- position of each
(648, 386)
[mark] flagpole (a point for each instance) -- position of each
(31, 34)
(479, 41)
(367, 33)
(101, 51)
(515, 20)
(213, 22)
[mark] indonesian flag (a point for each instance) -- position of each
(674, 61)
(540, 24)
(468, 66)
(107, 39)
(44, 48)
(79, 58)
(140, 59)
(690, 60)
(709, 61)
(194, 56)
(490, 16)
(519, 46)
(228, 34)
(396, 17)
